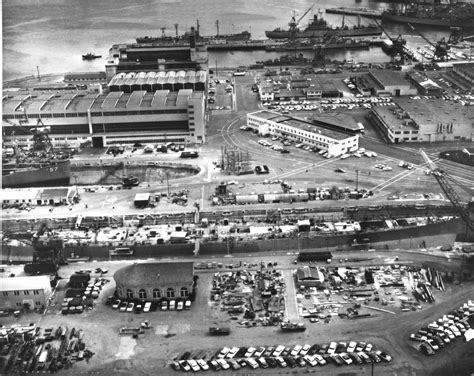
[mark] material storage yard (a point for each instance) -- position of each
(120, 340)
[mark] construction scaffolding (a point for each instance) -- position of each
(235, 162)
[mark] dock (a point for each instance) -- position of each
(363, 12)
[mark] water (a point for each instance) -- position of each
(53, 34)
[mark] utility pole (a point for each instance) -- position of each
(38, 70)
(357, 180)
(168, 182)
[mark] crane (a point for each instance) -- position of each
(443, 180)
(41, 140)
(397, 51)
(441, 47)
(293, 24)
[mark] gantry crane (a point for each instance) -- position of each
(441, 47)
(444, 180)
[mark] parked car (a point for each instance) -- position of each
(194, 365)
(203, 364)
(164, 305)
(146, 307)
(116, 304)
(179, 305)
(130, 307)
(123, 306)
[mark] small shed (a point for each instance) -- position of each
(142, 200)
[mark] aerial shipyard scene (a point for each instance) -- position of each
(237, 187)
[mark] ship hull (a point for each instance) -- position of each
(52, 175)
(364, 31)
(388, 17)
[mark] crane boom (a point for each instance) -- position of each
(443, 180)
(304, 14)
(420, 34)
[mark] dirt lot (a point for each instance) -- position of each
(173, 332)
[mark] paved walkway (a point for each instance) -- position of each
(291, 306)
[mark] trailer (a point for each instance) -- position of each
(315, 256)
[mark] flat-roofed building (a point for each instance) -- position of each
(114, 117)
(424, 120)
(302, 131)
(384, 82)
(424, 84)
(17, 292)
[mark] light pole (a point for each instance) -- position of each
(168, 182)
(357, 180)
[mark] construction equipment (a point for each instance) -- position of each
(445, 181)
(441, 47)
(455, 36)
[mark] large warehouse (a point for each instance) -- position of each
(155, 280)
(298, 130)
(17, 292)
(105, 118)
(424, 120)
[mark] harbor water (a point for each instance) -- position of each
(52, 35)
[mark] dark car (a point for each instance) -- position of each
(271, 362)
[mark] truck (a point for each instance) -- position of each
(219, 331)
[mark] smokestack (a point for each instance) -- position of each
(176, 29)
(192, 41)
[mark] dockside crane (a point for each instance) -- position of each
(397, 51)
(445, 181)
(441, 47)
(293, 24)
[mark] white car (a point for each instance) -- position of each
(296, 350)
(332, 348)
(184, 365)
(130, 307)
(250, 352)
(223, 364)
(368, 347)
(194, 365)
(259, 352)
(310, 360)
(252, 363)
(351, 347)
(320, 359)
(305, 350)
(223, 352)
(232, 352)
(147, 307)
(277, 352)
(345, 358)
(203, 364)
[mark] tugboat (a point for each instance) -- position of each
(90, 56)
(288, 326)
(130, 181)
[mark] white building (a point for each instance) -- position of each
(18, 291)
(298, 130)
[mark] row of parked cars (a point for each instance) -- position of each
(164, 305)
(446, 329)
(341, 353)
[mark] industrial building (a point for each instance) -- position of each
(19, 292)
(309, 276)
(152, 58)
(284, 88)
(384, 82)
(462, 75)
(105, 118)
(305, 132)
(423, 120)
(155, 280)
(39, 196)
(153, 81)
(424, 84)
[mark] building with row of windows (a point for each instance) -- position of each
(21, 292)
(39, 196)
(384, 82)
(154, 281)
(161, 80)
(298, 130)
(424, 120)
(105, 118)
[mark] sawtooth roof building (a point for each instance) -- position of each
(115, 117)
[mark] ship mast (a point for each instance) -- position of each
(217, 27)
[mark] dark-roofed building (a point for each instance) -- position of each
(309, 276)
(319, 133)
(84, 77)
(384, 81)
(424, 120)
(155, 280)
(425, 85)
(116, 117)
